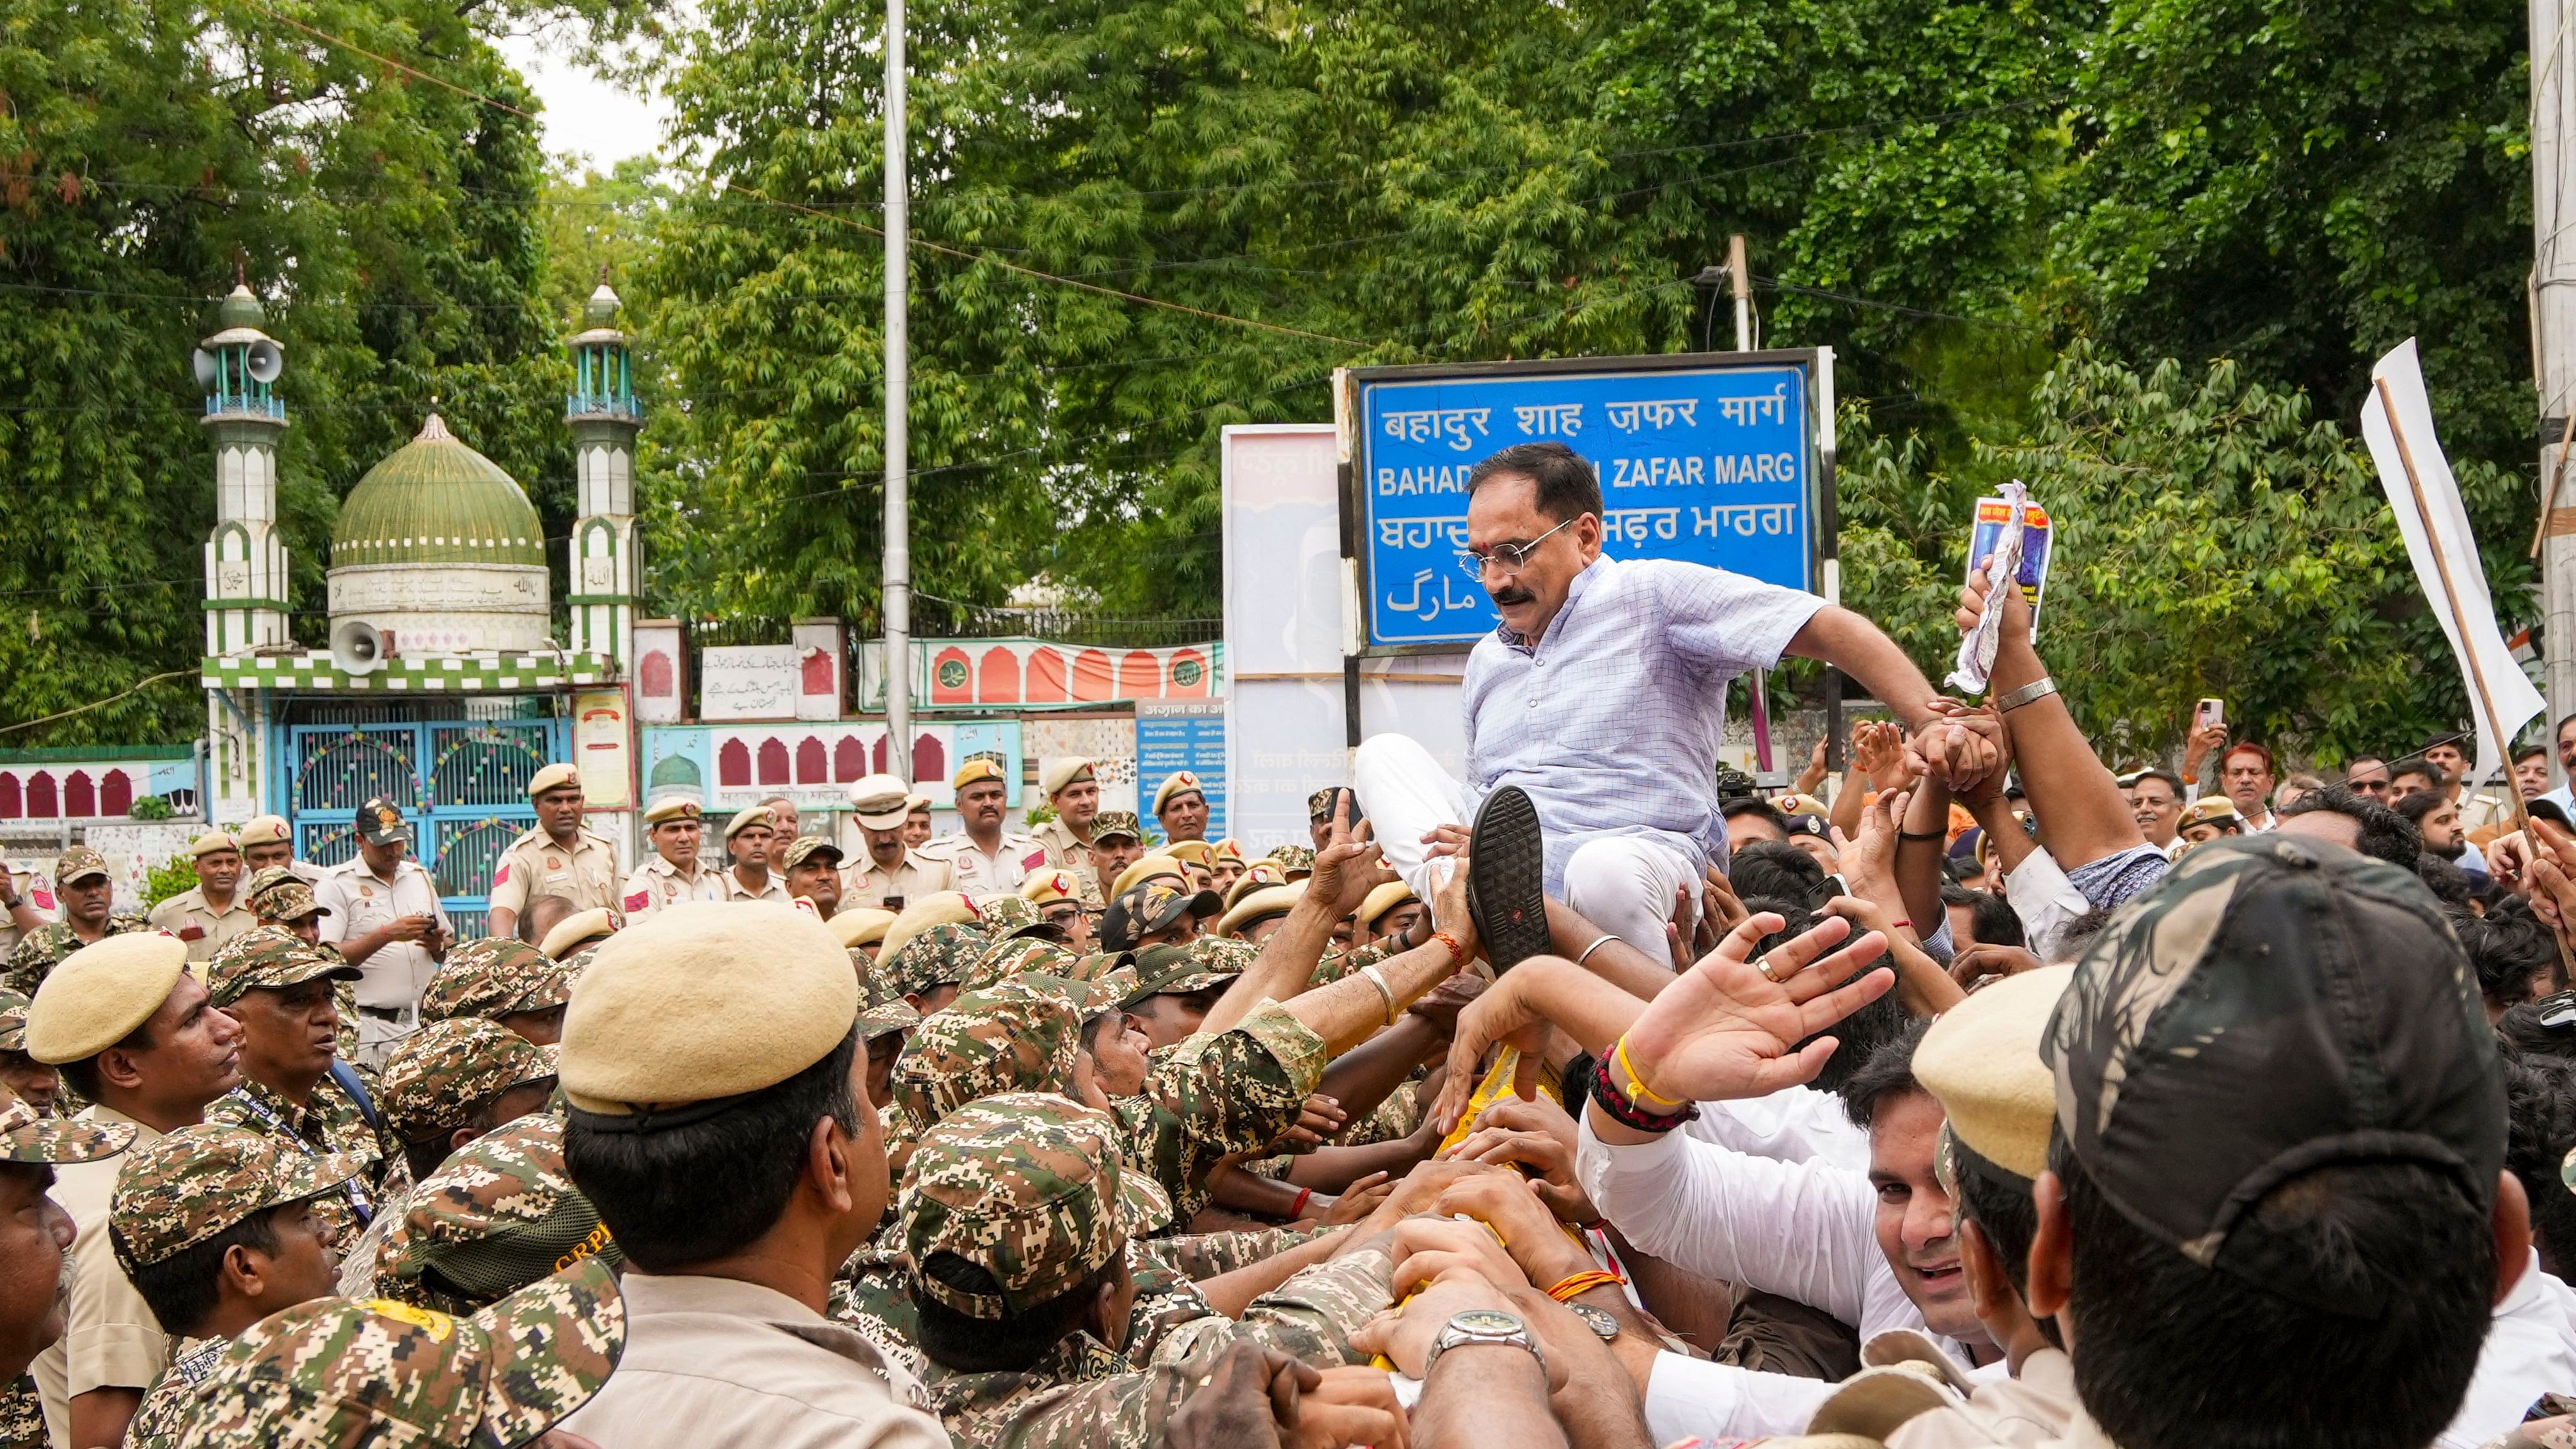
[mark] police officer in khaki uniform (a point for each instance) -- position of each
(727, 1342)
(1059, 897)
(212, 911)
(1181, 807)
(267, 840)
(886, 872)
(1073, 789)
(750, 836)
(381, 910)
(987, 859)
(677, 830)
(557, 858)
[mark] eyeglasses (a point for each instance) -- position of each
(1512, 556)
(2557, 1012)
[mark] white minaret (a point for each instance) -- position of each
(602, 569)
(245, 558)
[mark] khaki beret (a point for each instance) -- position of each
(101, 993)
(1228, 849)
(1384, 899)
(1179, 782)
(2212, 810)
(1061, 771)
(705, 1000)
(977, 768)
(676, 807)
(1192, 852)
(939, 908)
(861, 925)
(1260, 905)
(916, 802)
(578, 927)
(553, 777)
(1051, 885)
(880, 801)
(1255, 876)
(1145, 869)
(746, 818)
(264, 830)
(1981, 1059)
(213, 842)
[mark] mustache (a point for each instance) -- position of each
(1512, 596)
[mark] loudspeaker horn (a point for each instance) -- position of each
(267, 360)
(356, 647)
(205, 368)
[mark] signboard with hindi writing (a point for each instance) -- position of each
(1722, 459)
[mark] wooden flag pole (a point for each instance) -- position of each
(2460, 631)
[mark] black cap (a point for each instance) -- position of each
(379, 823)
(2277, 1004)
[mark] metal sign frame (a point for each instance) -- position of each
(1817, 363)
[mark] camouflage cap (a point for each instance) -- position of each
(1094, 996)
(269, 958)
(184, 1187)
(1294, 860)
(499, 1214)
(379, 823)
(1153, 906)
(2275, 1005)
(1173, 970)
(1007, 958)
(1095, 965)
(937, 956)
(27, 1135)
(335, 1371)
(493, 977)
(1028, 1187)
(434, 1078)
(1009, 916)
(1013, 1036)
(1116, 825)
(279, 894)
(78, 863)
(804, 848)
(13, 1021)
(886, 1016)
(1319, 806)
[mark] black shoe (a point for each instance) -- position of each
(1507, 879)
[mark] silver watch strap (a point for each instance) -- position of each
(2040, 688)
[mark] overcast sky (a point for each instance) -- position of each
(583, 114)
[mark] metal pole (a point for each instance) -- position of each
(2553, 329)
(898, 502)
(1743, 286)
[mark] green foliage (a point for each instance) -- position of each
(168, 879)
(2213, 538)
(151, 807)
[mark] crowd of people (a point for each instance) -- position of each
(1592, 1099)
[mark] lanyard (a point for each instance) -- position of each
(357, 1194)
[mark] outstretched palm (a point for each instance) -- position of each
(1725, 1030)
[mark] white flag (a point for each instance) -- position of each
(2444, 552)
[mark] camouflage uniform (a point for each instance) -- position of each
(495, 977)
(497, 1215)
(1005, 959)
(1227, 1094)
(22, 1415)
(333, 1372)
(270, 958)
(279, 896)
(436, 1076)
(1016, 1036)
(941, 955)
(44, 948)
(27, 1136)
(1026, 1188)
(183, 1189)
(162, 1419)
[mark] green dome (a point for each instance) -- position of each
(240, 309)
(435, 500)
(675, 770)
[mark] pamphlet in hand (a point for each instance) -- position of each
(1988, 532)
(2010, 536)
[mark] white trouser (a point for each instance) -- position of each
(1624, 885)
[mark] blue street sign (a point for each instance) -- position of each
(1710, 462)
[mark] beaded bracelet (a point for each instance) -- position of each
(1607, 1096)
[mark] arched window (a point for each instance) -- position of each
(773, 762)
(12, 804)
(658, 679)
(733, 764)
(811, 763)
(115, 793)
(40, 797)
(79, 798)
(849, 759)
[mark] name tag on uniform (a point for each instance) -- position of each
(193, 932)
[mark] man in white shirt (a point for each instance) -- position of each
(385, 916)
(1875, 1250)
(1602, 696)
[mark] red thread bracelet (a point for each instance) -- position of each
(1299, 1206)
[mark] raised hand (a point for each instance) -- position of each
(1729, 1027)
(1347, 867)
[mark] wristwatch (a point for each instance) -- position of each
(1603, 1326)
(1480, 1326)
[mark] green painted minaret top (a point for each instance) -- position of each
(603, 373)
(435, 500)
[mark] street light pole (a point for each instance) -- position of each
(898, 502)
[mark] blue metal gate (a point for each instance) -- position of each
(462, 783)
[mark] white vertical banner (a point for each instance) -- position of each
(2397, 423)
